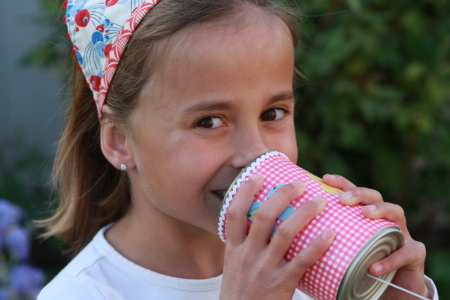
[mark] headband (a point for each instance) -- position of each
(99, 31)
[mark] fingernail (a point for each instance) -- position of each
(319, 199)
(346, 196)
(257, 177)
(331, 176)
(298, 184)
(370, 208)
(327, 234)
(378, 268)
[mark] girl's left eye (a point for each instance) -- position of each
(210, 123)
(273, 114)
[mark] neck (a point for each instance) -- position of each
(167, 247)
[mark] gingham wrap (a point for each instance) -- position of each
(352, 229)
(99, 31)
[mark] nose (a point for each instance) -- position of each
(247, 145)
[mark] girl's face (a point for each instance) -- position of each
(222, 97)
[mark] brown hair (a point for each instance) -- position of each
(91, 192)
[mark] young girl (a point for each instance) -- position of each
(152, 144)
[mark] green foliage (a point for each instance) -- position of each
(379, 92)
(24, 176)
(440, 261)
(54, 51)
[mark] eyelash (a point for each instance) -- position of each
(197, 123)
(283, 110)
(209, 119)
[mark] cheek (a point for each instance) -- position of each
(179, 165)
(287, 144)
(291, 152)
(198, 164)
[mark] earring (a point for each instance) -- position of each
(123, 167)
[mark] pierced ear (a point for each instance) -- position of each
(114, 143)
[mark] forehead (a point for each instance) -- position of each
(251, 26)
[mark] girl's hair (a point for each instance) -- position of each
(91, 192)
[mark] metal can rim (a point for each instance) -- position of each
(378, 246)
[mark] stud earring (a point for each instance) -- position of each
(123, 167)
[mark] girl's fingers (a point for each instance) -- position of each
(308, 256)
(265, 217)
(237, 212)
(388, 211)
(352, 195)
(338, 181)
(411, 257)
(360, 195)
(287, 230)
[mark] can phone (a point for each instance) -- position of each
(222, 220)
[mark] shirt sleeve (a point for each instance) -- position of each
(432, 290)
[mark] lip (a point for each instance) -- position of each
(219, 194)
(221, 182)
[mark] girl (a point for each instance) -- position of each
(202, 88)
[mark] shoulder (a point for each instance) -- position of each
(68, 288)
(77, 279)
(85, 262)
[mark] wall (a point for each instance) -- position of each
(30, 98)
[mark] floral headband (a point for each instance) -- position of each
(99, 31)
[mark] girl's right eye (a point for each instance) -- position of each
(210, 123)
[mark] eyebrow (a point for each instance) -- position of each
(223, 105)
(207, 106)
(287, 95)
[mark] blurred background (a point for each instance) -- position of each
(375, 108)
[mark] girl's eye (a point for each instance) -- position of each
(273, 114)
(210, 123)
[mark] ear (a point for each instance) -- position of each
(114, 142)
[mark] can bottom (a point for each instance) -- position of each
(355, 284)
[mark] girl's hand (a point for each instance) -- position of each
(255, 268)
(408, 260)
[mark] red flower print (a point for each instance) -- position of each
(111, 2)
(95, 83)
(82, 18)
(108, 48)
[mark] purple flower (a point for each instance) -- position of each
(5, 294)
(10, 215)
(18, 241)
(25, 280)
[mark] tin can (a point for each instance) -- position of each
(359, 242)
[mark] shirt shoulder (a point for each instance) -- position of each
(75, 280)
(67, 288)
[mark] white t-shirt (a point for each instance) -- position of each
(100, 272)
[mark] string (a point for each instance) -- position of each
(397, 287)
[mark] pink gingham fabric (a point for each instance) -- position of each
(352, 229)
(99, 31)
